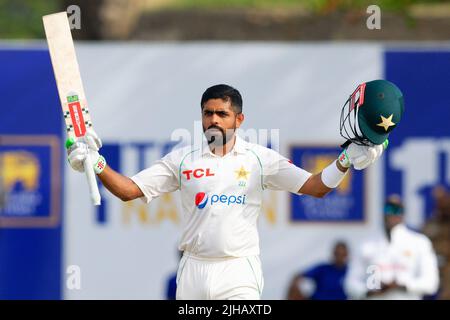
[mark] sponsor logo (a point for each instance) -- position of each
(29, 181)
(76, 115)
(198, 173)
(201, 199)
(19, 167)
(345, 203)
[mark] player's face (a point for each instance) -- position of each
(391, 221)
(220, 121)
(340, 255)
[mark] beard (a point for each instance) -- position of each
(218, 137)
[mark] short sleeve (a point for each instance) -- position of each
(426, 281)
(279, 173)
(160, 178)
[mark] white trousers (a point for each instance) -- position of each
(219, 279)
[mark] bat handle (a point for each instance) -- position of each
(346, 144)
(92, 181)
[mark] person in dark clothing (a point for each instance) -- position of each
(327, 277)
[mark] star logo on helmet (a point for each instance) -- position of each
(386, 122)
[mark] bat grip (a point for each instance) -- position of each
(92, 181)
(346, 144)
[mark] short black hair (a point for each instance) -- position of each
(224, 92)
(340, 243)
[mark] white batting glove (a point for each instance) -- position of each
(361, 156)
(92, 139)
(86, 146)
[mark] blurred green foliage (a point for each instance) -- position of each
(22, 19)
(390, 5)
(315, 6)
(259, 4)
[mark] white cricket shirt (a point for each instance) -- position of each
(221, 196)
(407, 259)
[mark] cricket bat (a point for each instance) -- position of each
(70, 87)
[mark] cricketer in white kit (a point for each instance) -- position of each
(221, 185)
(399, 264)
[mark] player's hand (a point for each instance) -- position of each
(361, 156)
(87, 146)
(92, 140)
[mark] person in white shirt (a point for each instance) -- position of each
(400, 264)
(221, 186)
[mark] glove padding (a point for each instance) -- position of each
(86, 146)
(363, 156)
(92, 140)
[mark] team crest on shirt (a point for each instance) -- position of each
(241, 176)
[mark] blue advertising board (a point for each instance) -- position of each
(344, 204)
(418, 157)
(30, 177)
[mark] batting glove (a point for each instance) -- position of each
(88, 145)
(361, 156)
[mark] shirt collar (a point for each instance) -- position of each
(399, 229)
(240, 146)
(397, 232)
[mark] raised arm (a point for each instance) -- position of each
(318, 185)
(315, 185)
(148, 184)
(121, 186)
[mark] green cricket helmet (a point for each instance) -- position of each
(371, 112)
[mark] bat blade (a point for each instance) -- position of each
(70, 86)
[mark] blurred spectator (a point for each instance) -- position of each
(327, 278)
(398, 264)
(442, 204)
(437, 228)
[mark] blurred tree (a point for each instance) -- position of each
(106, 19)
(23, 18)
(90, 18)
(118, 19)
(100, 19)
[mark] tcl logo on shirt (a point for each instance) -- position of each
(201, 199)
(197, 173)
